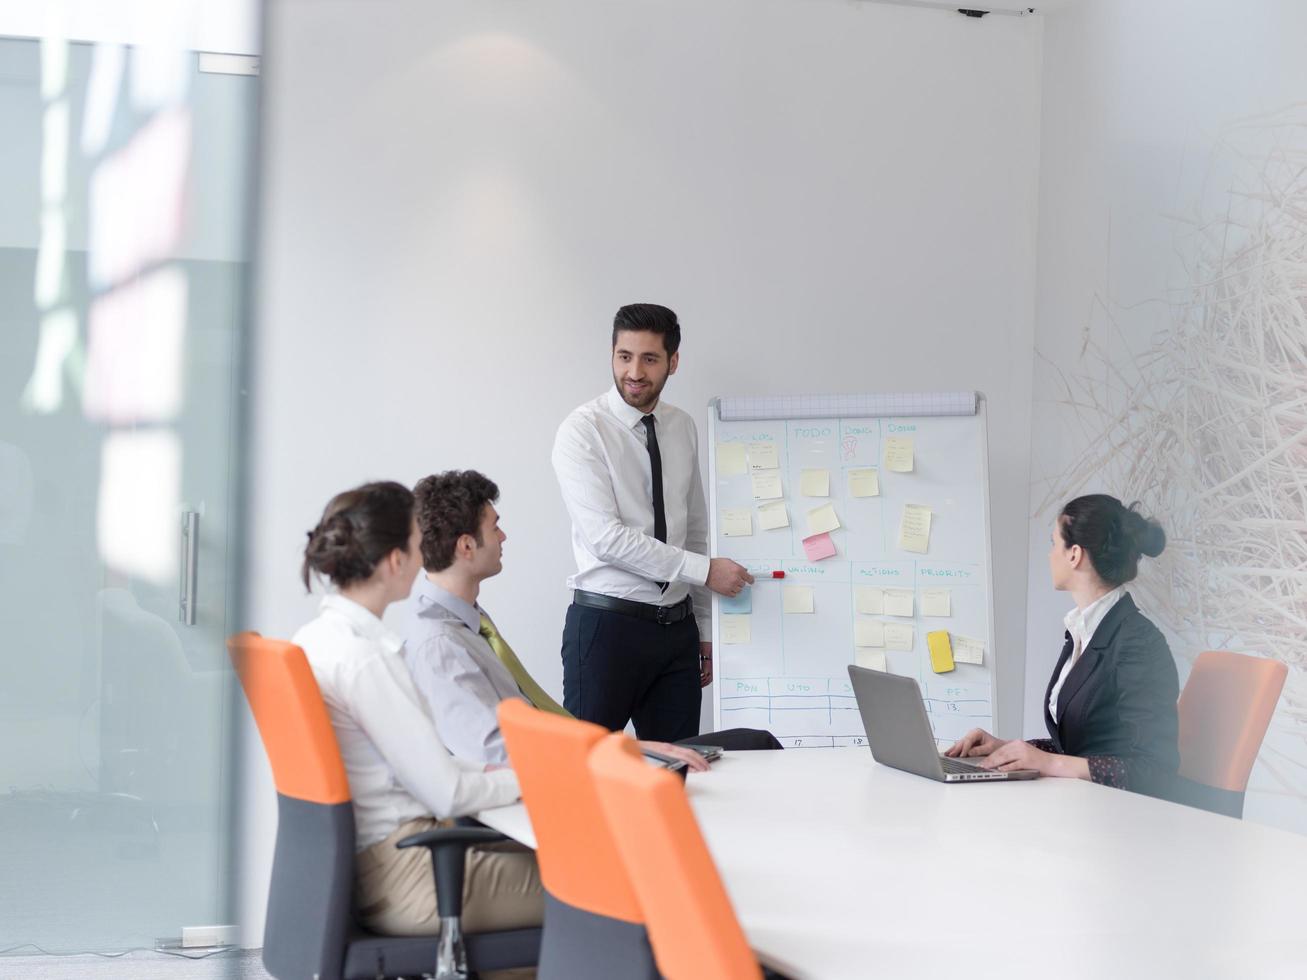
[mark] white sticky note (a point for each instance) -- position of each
(869, 600)
(822, 519)
(864, 483)
(763, 456)
(735, 628)
(900, 636)
(914, 529)
(967, 650)
(898, 602)
(767, 486)
(730, 458)
(797, 599)
(872, 659)
(898, 454)
(868, 633)
(773, 515)
(936, 602)
(815, 483)
(737, 522)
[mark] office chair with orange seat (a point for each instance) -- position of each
(1225, 709)
(310, 929)
(692, 926)
(593, 926)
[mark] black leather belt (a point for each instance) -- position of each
(663, 615)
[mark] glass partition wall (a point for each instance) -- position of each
(127, 175)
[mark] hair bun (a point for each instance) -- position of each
(335, 551)
(1147, 534)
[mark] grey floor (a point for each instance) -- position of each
(238, 965)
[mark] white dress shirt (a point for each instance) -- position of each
(398, 768)
(1081, 624)
(456, 671)
(601, 460)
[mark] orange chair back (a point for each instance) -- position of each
(1225, 709)
(291, 717)
(578, 858)
(692, 926)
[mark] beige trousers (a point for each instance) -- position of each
(395, 891)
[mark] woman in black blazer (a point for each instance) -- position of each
(1110, 705)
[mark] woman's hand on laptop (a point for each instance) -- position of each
(974, 743)
(692, 759)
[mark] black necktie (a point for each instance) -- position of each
(656, 472)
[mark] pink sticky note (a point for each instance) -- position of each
(819, 546)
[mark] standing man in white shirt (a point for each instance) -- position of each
(628, 467)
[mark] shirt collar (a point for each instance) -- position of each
(429, 594)
(628, 416)
(1083, 622)
(364, 623)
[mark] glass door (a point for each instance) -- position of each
(127, 171)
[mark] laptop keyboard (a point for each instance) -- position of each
(957, 765)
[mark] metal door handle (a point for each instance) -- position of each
(190, 566)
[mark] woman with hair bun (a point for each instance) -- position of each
(1111, 702)
(402, 778)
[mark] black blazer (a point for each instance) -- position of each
(1117, 707)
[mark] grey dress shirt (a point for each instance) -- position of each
(455, 671)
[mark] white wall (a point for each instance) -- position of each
(1171, 236)
(833, 196)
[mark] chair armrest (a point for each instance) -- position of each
(448, 847)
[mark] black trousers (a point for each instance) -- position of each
(619, 668)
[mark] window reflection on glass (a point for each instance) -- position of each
(120, 300)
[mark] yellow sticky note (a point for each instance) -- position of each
(914, 529)
(898, 454)
(936, 602)
(872, 659)
(737, 522)
(735, 629)
(763, 456)
(868, 633)
(773, 515)
(864, 483)
(767, 486)
(966, 650)
(815, 483)
(822, 519)
(730, 458)
(797, 599)
(900, 636)
(941, 652)
(869, 599)
(898, 602)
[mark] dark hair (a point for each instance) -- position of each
(653, 318)
(450, 505)
(1113, 535)
(358, 529)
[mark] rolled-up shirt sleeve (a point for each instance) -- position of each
(696, 543)
(387, 710)
(587, 488)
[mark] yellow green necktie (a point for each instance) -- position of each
(525, 682)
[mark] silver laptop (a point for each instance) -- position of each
(899, 734)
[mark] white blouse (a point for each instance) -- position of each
(398, 767)
(1081, 624)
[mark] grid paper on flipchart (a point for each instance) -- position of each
(901, 404)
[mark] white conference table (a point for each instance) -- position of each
(841, 868)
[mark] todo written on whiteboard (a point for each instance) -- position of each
(876, 508)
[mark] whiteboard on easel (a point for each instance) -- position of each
(865, 522)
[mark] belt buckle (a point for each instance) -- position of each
(662, 616)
